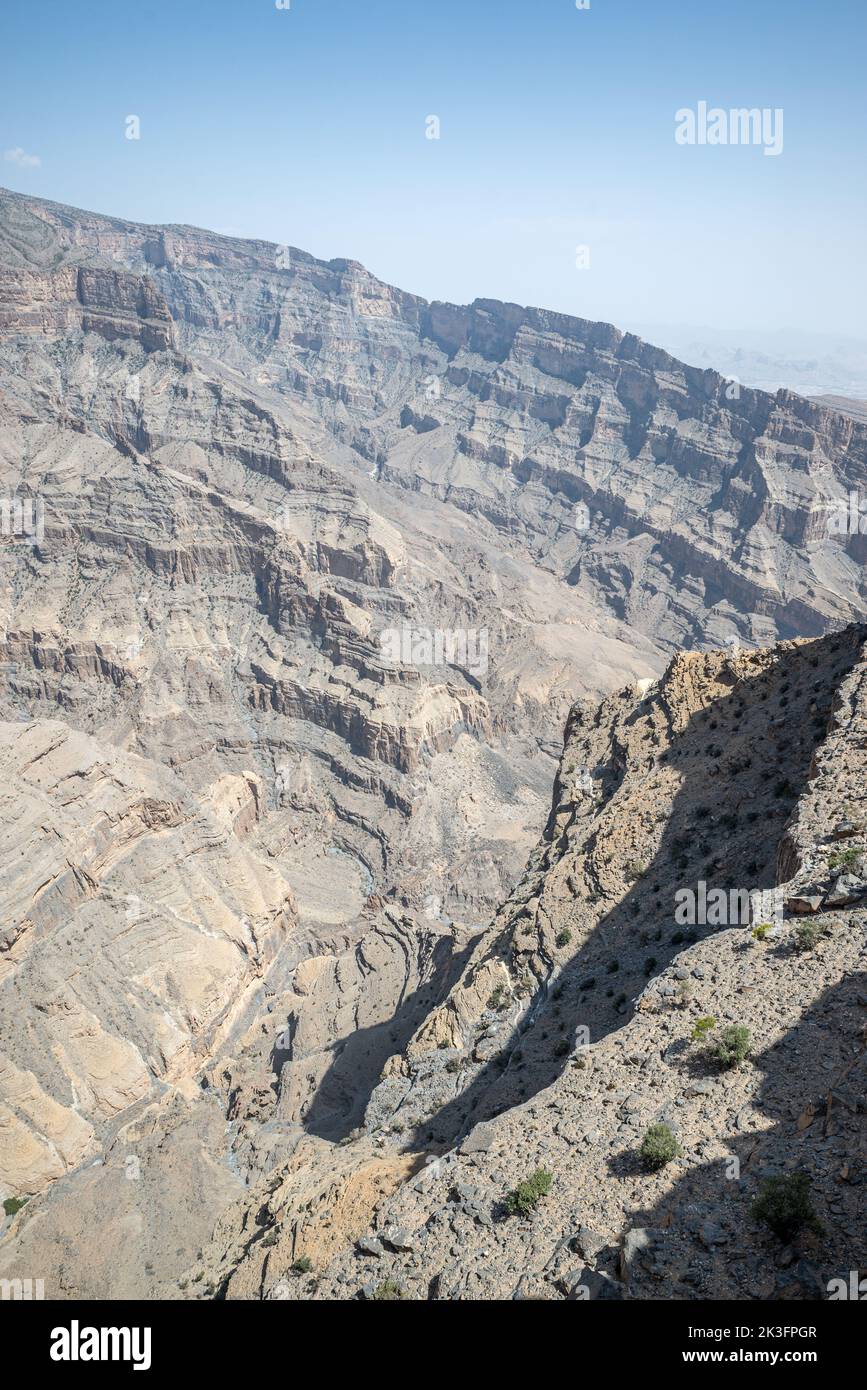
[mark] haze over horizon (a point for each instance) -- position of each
(309, 126)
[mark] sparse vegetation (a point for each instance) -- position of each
(12, 1205)
(784, 1204)
(563, 937)
(388, 1292)
(846, 858)
(497, 997)
(809, 934)
(702, 1027)
(302, 1265)
(659, 1146)
(524, 1198)
(761, 931)
(733, 1045)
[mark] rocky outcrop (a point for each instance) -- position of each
(110, 303)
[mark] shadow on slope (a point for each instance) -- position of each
(744, 761)
(358, 1058)
(705, 1241)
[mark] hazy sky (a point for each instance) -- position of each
(308, 126)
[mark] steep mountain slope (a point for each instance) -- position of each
(559, 1053)
(127, 961)
(252, 844)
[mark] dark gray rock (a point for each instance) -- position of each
(369, 1245)
(398, 1238)
(589, 1285)
(847, 889)
(588, 1243)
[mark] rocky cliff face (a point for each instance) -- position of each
(140, 925)
(594, 1009)
(266, 785)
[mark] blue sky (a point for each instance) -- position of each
(307, 126)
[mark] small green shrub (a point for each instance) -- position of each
(14, 1204)
(497, 997)
(846, 858)
(809, 934)
(388, 1292)
(785, 1205)
(733, 1045)
(524, 1198)
(761, 931)
(563, 937)
(702, 1027)
(303, 1264)
(659, 1146)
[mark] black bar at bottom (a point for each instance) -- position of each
(253, 1338)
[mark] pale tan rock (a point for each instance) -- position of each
(138, 922)
(251, 472)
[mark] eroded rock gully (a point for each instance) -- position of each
(274, 930)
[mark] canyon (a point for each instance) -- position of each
(264, 876)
